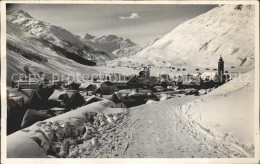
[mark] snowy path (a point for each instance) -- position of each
(216, 125)
(155, 134)
(167, 133)
(161, 130)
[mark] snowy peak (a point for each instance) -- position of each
(115, 40)
(88, 36)
(19, 13)
(54, 34)
(110, 37)
(113, 44)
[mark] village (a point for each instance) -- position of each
(106, 104)
(30, 101)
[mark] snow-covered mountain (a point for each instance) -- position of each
(113, 44)
(26, 49)
(59, 39)
(46, 48)
(227, 30)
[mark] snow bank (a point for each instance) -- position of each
(227, 111)
(244, 81)
(60, 134)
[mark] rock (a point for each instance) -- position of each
(115, 118)
(56, 124)
(74, 152)
(109, 126)
(102, 123)
(59, 132)
(86, 136)
(40, 137)
(109, 118)
(64, 150)
(73, 142)
(94, 141)
(90, 116)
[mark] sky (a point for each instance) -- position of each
(141, 23)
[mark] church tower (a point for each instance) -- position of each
(220, 67)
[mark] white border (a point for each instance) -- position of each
(127, 160)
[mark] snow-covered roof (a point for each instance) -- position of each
(209, 76)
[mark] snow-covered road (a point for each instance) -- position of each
(161, 130)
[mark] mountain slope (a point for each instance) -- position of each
(113, 44)
(26, 49)
(225, 30)
(61, 40)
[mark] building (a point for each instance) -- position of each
(65, 99)
(106, 88)
(145, 72)
(134, 82)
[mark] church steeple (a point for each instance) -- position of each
(220, 67)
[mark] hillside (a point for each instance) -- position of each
(58, 39)
(117, 46)
(226, 30)
(26, 49)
